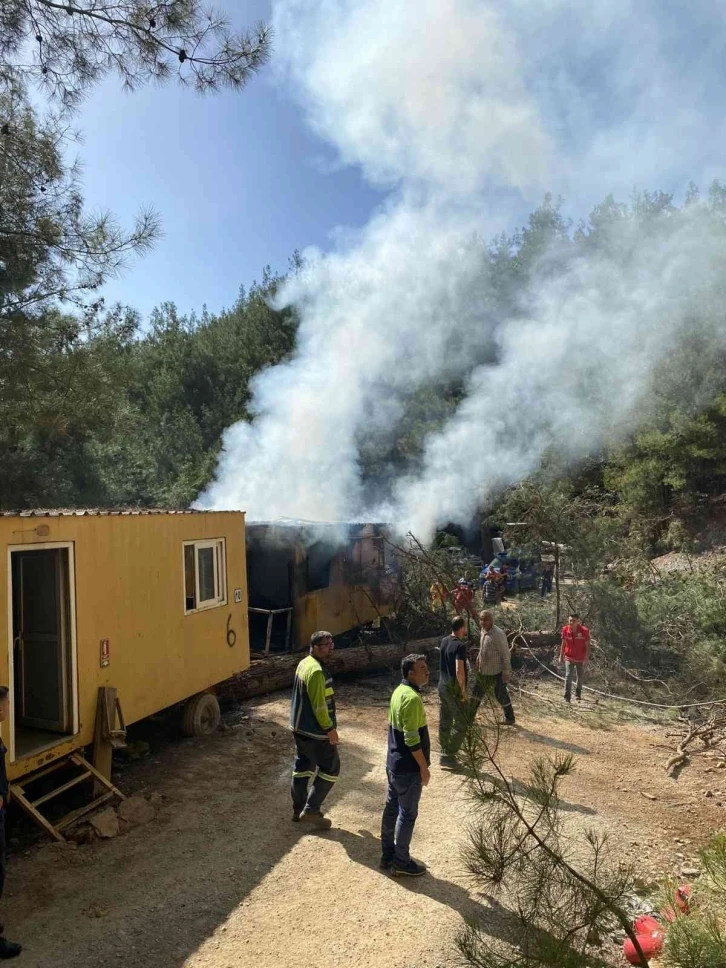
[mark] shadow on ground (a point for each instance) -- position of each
(155, 895)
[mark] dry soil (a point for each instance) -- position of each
(222, 878)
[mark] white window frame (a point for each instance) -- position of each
(219, 545)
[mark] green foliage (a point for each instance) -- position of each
(564, 892)
(190, 381)
(697, 939)
(51, 250)
(673, 624)
(59, 381)
(66, 48)
(695, 943)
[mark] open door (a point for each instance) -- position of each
(42, 648)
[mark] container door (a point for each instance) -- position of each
(41, 630)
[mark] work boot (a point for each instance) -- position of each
(509, 722)
(315, 819)
(9, 949)
(296, 816)
(385, 863)
(447, 762)
(412, 869)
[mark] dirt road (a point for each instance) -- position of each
(222, 878)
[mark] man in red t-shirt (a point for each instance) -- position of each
(574, 652)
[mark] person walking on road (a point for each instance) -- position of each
(8, 949)
(574, 652)
(314, 727)
(494, 665)
(407, 768)
(452, 692)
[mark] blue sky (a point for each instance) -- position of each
(626, 92)
(238, 178)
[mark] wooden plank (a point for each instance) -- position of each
(287, 630)
(32, 777)
(62, 789)
(102, 747)
(75, 815)
(269, 633)
(35, 814)
(80, 761)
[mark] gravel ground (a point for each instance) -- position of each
(222, 878)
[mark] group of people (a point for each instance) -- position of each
(492, 586)
(314, 725)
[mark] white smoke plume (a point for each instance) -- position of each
(468, 112)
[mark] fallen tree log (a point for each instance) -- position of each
(277, 672)
(535, 640)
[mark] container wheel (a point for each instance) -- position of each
(201, 715)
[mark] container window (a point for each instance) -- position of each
(207, 575)
(205, 584)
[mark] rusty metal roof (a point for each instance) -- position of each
(103, 512)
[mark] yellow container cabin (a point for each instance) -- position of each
(151, 603)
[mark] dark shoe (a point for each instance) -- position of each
(578, 698)
(448, 762)
(385, 863)
(509, 722)
(315, 819)
(412, 869)
(8, 949)
(296, 816)
(566, 698)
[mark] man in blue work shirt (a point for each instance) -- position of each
(313, 724)
(407, 767)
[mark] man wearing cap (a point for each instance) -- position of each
(313, 725)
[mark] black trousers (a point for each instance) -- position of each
(2, 851)
(316, 760)
(499, 687)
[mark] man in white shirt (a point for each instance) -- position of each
(494, 665)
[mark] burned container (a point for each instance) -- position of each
(304, 577)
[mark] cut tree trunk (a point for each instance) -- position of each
(277, 672)
(535, 640)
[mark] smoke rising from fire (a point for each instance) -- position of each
(468, 112)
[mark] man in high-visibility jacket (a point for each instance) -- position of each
(407, 767)
(313, 724)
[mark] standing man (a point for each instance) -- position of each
(452, 692)
(574, 651)
(494, 665)
(407, 767)
(8, 949)
(313, 724)
(463, 596)
(548, 574)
